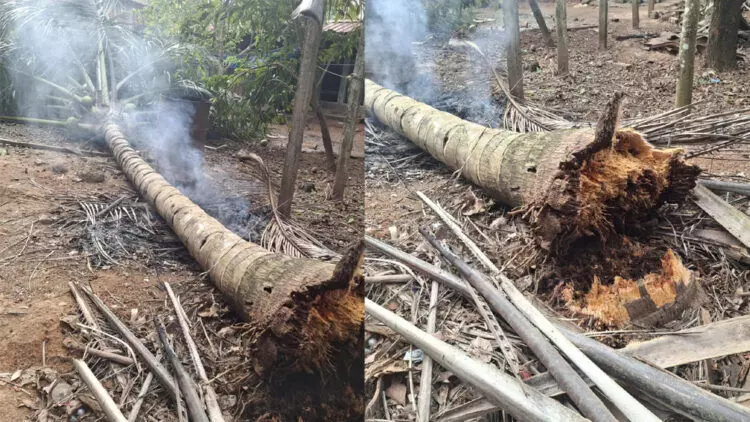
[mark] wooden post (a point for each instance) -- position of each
(687, 53)
(302, 97)
(541, 23)
(603, 11)
(353, 115)
(513, 52)
(636, 16)
(561, 15)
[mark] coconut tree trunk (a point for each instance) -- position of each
(573, 183)
(603, 12)
(353, 116)
(541, 23)
(302, 97)
(687, 53)
(513, 51)
(721, 53)
(561, 15)
(300, 308)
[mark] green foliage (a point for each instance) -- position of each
(246, 54)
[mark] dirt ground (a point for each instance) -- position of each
(42, 248)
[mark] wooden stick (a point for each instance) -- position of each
(212, 403)
(114, 357)
(141, 396)
(187, 386)
(52, 148)
(523, 403)
(733, 220)
(627, 404)
(157, 368)
(394, 278)
(110, 409)
(425, 381)
(85, 310)
(585, 399)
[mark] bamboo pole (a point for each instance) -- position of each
(570, 381)
(110, 409)
(503, 390)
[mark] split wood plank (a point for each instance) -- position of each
(733, 220)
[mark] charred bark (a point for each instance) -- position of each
(723, 34)
(569, 185)
(299, 308)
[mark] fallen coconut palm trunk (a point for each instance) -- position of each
(523, 402)
(299, 307)
(573, 182)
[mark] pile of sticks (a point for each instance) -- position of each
(603, 384)
(195, 401)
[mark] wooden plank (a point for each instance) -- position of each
(733, 220)
(708, 341)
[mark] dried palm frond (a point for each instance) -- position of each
(518, 116)
(284, 235)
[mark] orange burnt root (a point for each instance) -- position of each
(609, 187)
(656, 298)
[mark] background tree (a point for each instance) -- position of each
(561, 15)
(687, 53)
(723, 34)
(636, 16)
(353, 116)
(541, 23)
(603, 12)
(513, 51)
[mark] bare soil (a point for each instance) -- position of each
(41, 191)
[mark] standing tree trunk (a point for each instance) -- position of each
(353, 115)
(302, 97)
(687, 53)
(540, 21)
(651, 5)
(636, 16)
(603, 12)
(575, 182)
(325, 134)
(513, 51)
(722, 34)
(561, 15)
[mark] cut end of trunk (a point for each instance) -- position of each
(315, 322)
(651, 301)
(609, 186)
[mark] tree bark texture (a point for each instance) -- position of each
(541, 23)
(721, 53)
(635, 4)
(325, 134)
(603, 12)
(687, 53)
(353, 116)
(302, 97)
(513, 51)
(561, 15)
(299, 307)
(569, 184)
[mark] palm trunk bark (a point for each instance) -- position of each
(300, 308)
(572, 183)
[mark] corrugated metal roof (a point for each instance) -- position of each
(342, 27)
